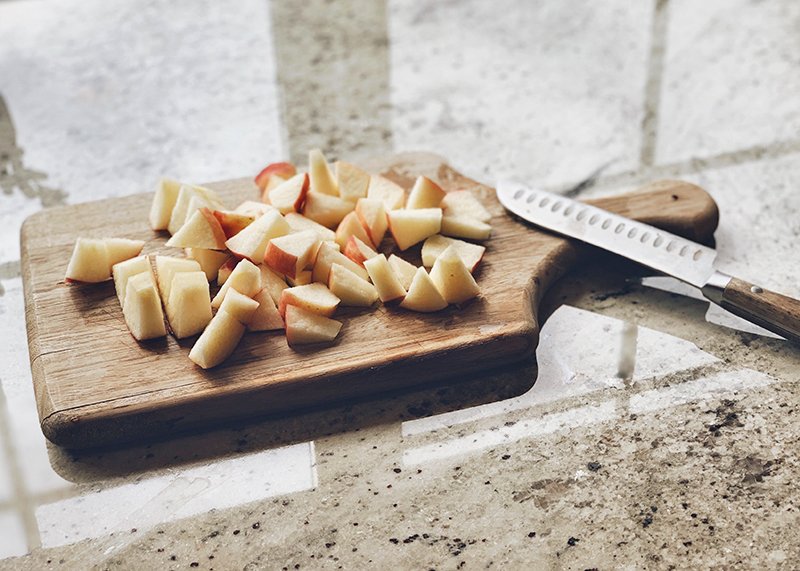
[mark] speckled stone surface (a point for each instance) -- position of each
(648, 435)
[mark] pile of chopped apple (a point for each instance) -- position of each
(314, 242)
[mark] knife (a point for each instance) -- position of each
(667, 253)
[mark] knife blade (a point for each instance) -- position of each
(663, 251)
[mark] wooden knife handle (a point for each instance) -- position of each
(778, 313)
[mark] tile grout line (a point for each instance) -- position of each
(655, 74)
(21, 501)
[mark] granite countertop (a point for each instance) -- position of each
(684, 457)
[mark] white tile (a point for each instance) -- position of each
(178, 494)
(542, 91)
(731, 77)
(12, 534)
(107, 97)
(6, 484)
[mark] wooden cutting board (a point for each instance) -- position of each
(95, 385)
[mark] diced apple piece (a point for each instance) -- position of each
(226, 269)
(123, 271)
(386, 282)
(351, 226)
(372, 215)
(302, 278)
(121, 249)
(452, 278)
(282, 171)
(352, 181)
(409, 227)
(163, 203)
(422, 294)
(304, 327)
(167, 267)
(210, 260)
(350, 288)
(266, 316)
(290, 195)
(233, 222)
(326, 209)
(465, 227)
(142, 308)
(292, 253)
(319, 172)
(251, 243)
(89, 262)
(202, 230)
(392, 195)
(272, 282)
(217, 341)
(464, 203)
(329, 255)
(425, 194)
(405, 271)
(358, 251)
(315, 298)
(253, 208)
(298, 223)
(245, 278)
(189, 304)
(471, 254)
(184, 205)
(239, 306)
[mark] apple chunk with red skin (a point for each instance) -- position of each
(371, 213)
(245, 278)
(350, 288)
(329, 255)
(358, 251)
(290, 195)
(233, 222)
(202, 230)
(292, 253)
(425, 194)
(351, 226)
(409, 227)
(251, 243)
(315, 298)
(304, 327)
(283, 171)
(452, 278)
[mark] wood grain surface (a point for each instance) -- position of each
(773, 311)
(95, 385)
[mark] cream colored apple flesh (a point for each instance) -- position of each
(425, 194)
(245, 278)
(201, 230)
(315, 298)
(304, 327)
(218, 341)
(326, 209)
(463, 203)
(302, 278)
(383, 277)
(92, 259)
(239, 306)
(190, 198)
(298, 223)
(290, 195)
(423, 296)
(253, 208)
(123, 271)
(471, 254)
(404, 270)
(452, 278)
(167, 267)
(358, 251)
(409, 227)
(465, 227)
(351, 180)
(392, 195)
(329, 255)
(351, 289)
(210, 260)
(189, 304)
(142, 308)
(371, 213)
(163, 202)
(225, 270)
(272, 282)
(233, 222)
(291, 254)
(321, 178)
(251, 243)
(351, 226)
(266, 316)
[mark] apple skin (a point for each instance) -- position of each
(232, 222)
(283, 170)
(281, 196)
(355, 251)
